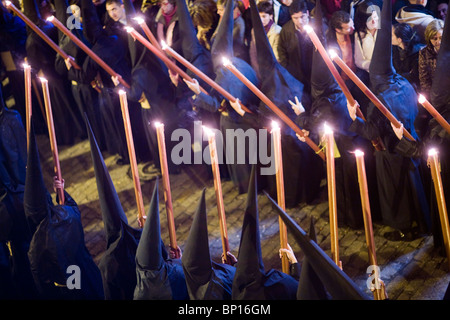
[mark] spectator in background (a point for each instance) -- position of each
(428, 55)
(405, 52)
(272, 30)
(205, 19)
(441, 9)
(366, 27)
(417, 16)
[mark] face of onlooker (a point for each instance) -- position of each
(436, 40)
(442, 11)
(115, 11)
(300, 19)
(166, 6)
(265, 18)
(346, 28)
(373, 21)
(221, 10)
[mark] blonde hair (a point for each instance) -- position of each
(432, 29)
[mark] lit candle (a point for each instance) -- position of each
(39, 32)
(433, 163)
(331, 182)
(439, 118)
(132, 155)
(276, 140)
(87, 50)
(369, 94)
(28, 99)
(219, 195)
(227, 63)
(166, 185)
(169, 63)
(379, 292)
(201, 75)
(315, 40)
(147, 32)
(52, 136)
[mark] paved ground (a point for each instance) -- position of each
(411, 270)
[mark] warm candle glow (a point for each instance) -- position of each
(275, 125)
(327, 129)
(208, 131)
(359, 153)
(50, 18)
(26, 66)
(164, 45)
(158, 124)
(129, 29)
(432, 152)
(308, 29)
(421, 98)
(122, 92)
(226, 62)
(139, 20)
(332, 53)
(7, 3)
(43, 79)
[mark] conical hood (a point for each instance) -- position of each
(130, 11)
(276, 82)
(249, 277)
(36, 196)
(196, 257)
(381, 68)
(113, 216)
(337, 283)
(322, 81)
(309, 286)
(149, 254)
(223, 41)
(92, 26)
(193, 51)
(440, 89)
(31, 10)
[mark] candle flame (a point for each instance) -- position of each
(432, 152)
(332, 53)
(26, 65)
(129, 29)
(7, 3)
(421, 98)
(164, 45)
(327, 129)
(139, 20)
(50, 19)
(208, 131)
(43, 79)
(308, 29)
(275, 125)
(158, 124)
(359, 153)
(122, 92)
(226, 62)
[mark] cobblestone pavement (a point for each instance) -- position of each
(410, 270)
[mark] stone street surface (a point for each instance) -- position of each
(410, 270)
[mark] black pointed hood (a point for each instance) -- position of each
(276, 82)
(381, 68)
(150, 253)
(113, 216)
(192, 50)
(37, 199)
(336, 282)
(249, 278)
(223, 41)
(440, 89)
(92, 27)
(322, 81)
(309, 285)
